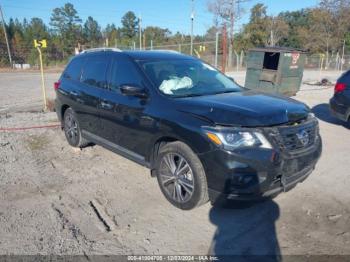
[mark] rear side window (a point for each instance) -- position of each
(73, 70)
(123, 72)
(94, 71)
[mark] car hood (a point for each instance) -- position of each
(248, 109)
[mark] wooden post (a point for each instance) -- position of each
(224, 49)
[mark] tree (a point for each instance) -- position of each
(338, 13)
(92, 32)
(211, 33)
(130, 25)
(298, 23)
(227, 12)
(257, 29)
(318, 37)
(66, 23)
(157, 35)
(112, 34)
(278, 30)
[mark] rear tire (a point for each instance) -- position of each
(181, 176)
(72, 129)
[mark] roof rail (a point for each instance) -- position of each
(166, 50)
(101, 49)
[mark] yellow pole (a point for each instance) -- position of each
(42, 78)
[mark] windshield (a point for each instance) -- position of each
(181, 78)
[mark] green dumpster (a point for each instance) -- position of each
(275, 69)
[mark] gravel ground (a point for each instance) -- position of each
(52, 197)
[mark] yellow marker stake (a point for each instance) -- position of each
(42, 78)
(197, 53)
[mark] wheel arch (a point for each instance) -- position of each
(161, 141)
(64, 108)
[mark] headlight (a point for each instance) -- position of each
(311, 115)
(231, 138)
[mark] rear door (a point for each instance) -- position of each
(70, 88)
(92, 81)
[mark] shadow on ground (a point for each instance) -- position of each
(323, 113)
(245, 231)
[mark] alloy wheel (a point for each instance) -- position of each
(176, 177)
(71, 128)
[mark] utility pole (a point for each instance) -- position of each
(6, 38)
(272, 38)
(140, 32)
(272, 33)
(232, 18)
(216, 48)
(192, 18)
(224, 49)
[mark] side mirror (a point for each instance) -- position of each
(231, 78)
(133, 90)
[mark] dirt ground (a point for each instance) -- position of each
(58, 200)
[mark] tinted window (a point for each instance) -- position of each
(123, 72)
(94, 71)
(73, 70)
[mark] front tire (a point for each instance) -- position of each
(181, 176)
(72, 130)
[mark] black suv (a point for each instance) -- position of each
(340, 102)
(203, 136)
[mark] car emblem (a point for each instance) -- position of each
(303, 137)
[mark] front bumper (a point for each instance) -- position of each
(256, 174)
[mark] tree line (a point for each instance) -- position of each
(324, 28)
(67, 32)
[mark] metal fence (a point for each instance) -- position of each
(25, 57)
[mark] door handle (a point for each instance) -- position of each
(105, 105)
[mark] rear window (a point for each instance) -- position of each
(73, 70)
(94, 71)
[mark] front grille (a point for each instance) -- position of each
(298, 137)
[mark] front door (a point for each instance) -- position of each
(124, 119)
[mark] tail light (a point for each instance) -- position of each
(56, 85)
(339, 87)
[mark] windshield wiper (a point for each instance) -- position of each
(225, 92)
(206, 94)
(190, 95)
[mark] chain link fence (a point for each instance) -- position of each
(26, 57)
(331, 62)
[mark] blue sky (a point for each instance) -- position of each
(172, 14)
